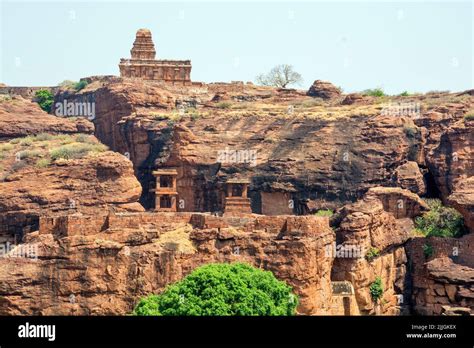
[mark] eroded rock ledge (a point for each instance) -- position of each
(103, 264)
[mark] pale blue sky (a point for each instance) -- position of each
(414, 46)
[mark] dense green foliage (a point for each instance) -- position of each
(376, 289)
(45, 99)
(222, 290)
(440, 221)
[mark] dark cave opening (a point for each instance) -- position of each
(432, 190)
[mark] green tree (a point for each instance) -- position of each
(223, 290)
(45, 99)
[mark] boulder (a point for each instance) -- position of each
(408, 176)
(324, 90)
(355, 98)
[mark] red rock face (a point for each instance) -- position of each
(452, 165)
(369, 225)
(323, 89)
(28, 190)
(102, 265)
(101, 254)
(410, 177)
(443, 281)
(312, 158)
(79, 186)
(462, 199)
(21, 117)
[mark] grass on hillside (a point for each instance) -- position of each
(44, 149)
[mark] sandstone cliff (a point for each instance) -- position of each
(301, 153)
(103, 264)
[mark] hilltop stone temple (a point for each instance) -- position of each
(143, 64)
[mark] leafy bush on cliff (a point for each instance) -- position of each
(45, 99)
(376, 289)
(440, 221)
(80, 85)
(222, 290)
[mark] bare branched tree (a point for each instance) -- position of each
(280, 76)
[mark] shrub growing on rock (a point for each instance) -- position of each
(45, 99)
(324, 212)
(376, 289)
(75, 150)
(80, 85)
(372, 253)
(440, 221)
(224, 105)
(223, 290)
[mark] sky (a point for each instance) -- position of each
(414, 46)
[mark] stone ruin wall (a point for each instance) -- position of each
(292, 247)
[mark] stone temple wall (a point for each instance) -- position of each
(143, 64)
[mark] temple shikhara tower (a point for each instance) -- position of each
(144, 65)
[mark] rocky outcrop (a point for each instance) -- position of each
(102, 265)
(84, 185)
(355, 98)
(462, 199)
(324, 90)
(334, 158)
(409, 176)
(20, 117)
(379, 238)
(401, 203)
(348, 151)
(452, 161)
(300, 154)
